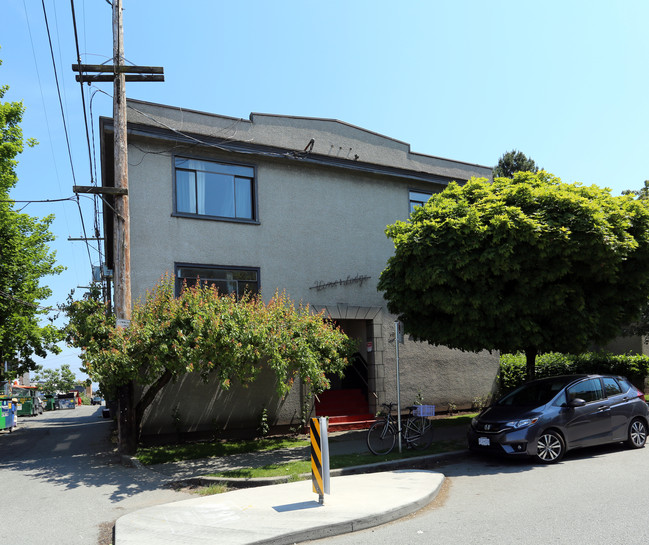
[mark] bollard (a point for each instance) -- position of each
(320, 458)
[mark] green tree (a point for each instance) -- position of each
(206, 333)
(642, 193)
(53, 381)
(512, 162)
(530, 264)
(25, 259)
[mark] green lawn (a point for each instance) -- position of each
(295, 470)
(209, 449)
(194, 451)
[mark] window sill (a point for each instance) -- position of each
(215, 218)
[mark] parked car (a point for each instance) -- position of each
(96, 400)
(547, 417)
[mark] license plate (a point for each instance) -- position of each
(484, 441)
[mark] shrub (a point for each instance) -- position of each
(635, 367)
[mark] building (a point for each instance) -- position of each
(278, 202)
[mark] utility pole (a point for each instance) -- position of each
(121, 218)
(122, 221)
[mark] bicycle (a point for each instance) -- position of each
(416, 429)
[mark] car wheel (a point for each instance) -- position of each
(550, 447)
(637, 433)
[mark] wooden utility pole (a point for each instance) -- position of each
(121, 218)
(122, 221)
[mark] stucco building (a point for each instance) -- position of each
(288, 203)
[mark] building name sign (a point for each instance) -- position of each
(358, 279)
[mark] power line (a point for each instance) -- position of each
(26, 303)
(83, 98)
(58, 90)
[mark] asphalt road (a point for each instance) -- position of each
(594, 496)
(61, 483)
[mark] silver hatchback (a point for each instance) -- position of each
(547, 417)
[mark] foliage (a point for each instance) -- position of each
(635, 367)
(512, 162)
(204, 332)
(264, 426)
(54, 381)
(25, 259)
(642, 193)
(528, 264)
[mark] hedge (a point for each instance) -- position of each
(512, 374)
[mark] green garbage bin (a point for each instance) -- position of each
(26, 407)
(50, 403)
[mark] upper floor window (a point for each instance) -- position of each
(216, 190)
(237, 280)
(418, 198)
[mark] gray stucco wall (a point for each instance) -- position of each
(317, 225)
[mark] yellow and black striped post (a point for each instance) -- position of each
(319, 457)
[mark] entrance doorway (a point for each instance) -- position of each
(346, 401)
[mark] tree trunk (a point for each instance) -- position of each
(530, 360)
(127, 432)
(148, 398)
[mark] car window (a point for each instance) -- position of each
(611, 386)
(588, 390)
(534, 393)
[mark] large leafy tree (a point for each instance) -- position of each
(25, 258)
(525, 264)
(53, 381)
(203, 332)
(512, 162)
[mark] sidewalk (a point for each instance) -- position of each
(287, 513)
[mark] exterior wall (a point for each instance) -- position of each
(635, 344)
(319, 236)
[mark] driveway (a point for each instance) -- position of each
(61, 480)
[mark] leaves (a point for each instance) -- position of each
(25, 258)
(521, 263)
(202, 331)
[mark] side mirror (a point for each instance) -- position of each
(577, 402)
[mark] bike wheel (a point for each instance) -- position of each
(419, 433)
(381, 438)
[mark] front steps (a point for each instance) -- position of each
(346, 409)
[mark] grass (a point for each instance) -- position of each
(210, 449)
(294, 470)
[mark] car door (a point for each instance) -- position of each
(589, 424)
(620, 399)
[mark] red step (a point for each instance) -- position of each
(351, 422)
(346, 409)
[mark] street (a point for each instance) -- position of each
(595, 496)
(62, 483)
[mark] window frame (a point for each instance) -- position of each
(411, 190)
(178, 281)
(253, 188)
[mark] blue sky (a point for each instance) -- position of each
(564, 82)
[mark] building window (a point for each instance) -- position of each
(237, 280)
(418, 198)
(215, 190)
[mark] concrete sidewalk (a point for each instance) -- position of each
(361, 497)
(284, 513)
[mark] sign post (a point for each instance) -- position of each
(398, 338)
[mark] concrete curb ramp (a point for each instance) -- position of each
(283, 513)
